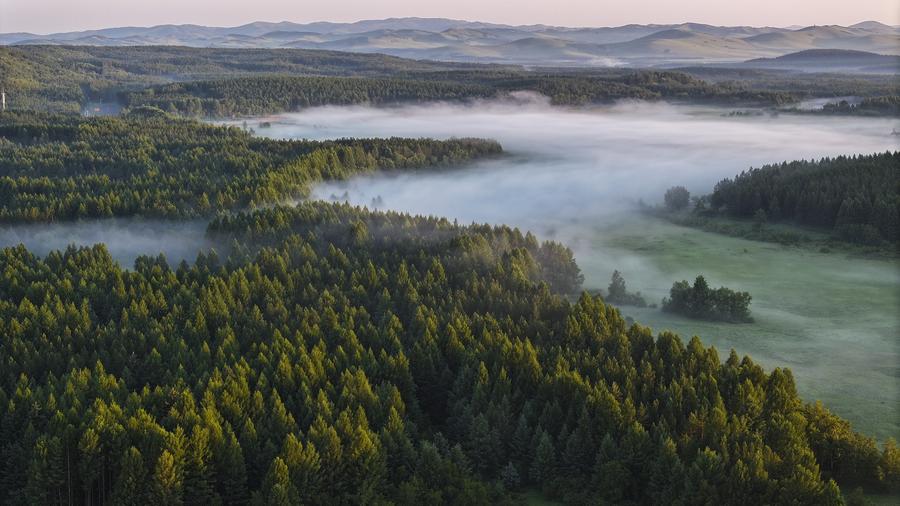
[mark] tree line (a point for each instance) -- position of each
(58, 167)
(247, 96)
(345, 356)
(227, 82)
(857, 198)
(256, 95)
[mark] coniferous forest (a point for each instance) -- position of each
(857, 198)
(344, 356)
(331, 354)
(238, 82)
(150, 164)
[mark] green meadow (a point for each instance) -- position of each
(831, 318)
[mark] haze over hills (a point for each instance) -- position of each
(831, 60)
(466, 41)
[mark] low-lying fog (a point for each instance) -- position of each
(126, 239)
(575, 176)
(567, 166)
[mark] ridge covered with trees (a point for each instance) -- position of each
(249, 96)
(337, 355)
(269, 94)
(59, 167)
(344, 356)
(229, 82)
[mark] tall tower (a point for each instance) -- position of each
(2, 100)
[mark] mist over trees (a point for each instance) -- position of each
(677, 198)
(345, 356)
(617, 292)
(63, 167)
(227, 82)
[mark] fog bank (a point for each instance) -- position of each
(568, 166)
(126, 239)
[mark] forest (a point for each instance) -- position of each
(329, 354)
(236, 82)
(346, 356)
(147, 163)
(249, 96)
(855, 198)
(271, 94)
(64, 79)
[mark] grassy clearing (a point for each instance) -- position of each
(831, 318)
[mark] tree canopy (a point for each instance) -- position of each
(857, 198)
(346, 356)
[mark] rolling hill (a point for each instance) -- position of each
(467, 41)
(831, 60)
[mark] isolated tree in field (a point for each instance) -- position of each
(618, 292)
(677, 198)
(617, 286)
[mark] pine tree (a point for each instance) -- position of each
(130, 485)
(277, 489)
(198, 472)
(544, 467)
(167, 482)
(232, 472)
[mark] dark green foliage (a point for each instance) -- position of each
(227, 82)
(869, 106)
(55, 167)
(271, 94)
(617, 293)
(63, 79)
(417, 362)
(702, 302)
(857, 198)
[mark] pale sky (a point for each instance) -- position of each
(46, 16)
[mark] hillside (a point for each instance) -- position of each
(342, 356)
(831, 60)
(453, 40)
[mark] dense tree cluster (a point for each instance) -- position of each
(342, 356)
(265, 95)
(856, 197)
(148, 163)
(701, 301)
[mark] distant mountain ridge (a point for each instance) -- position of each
(470, 41)
(831, 60)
